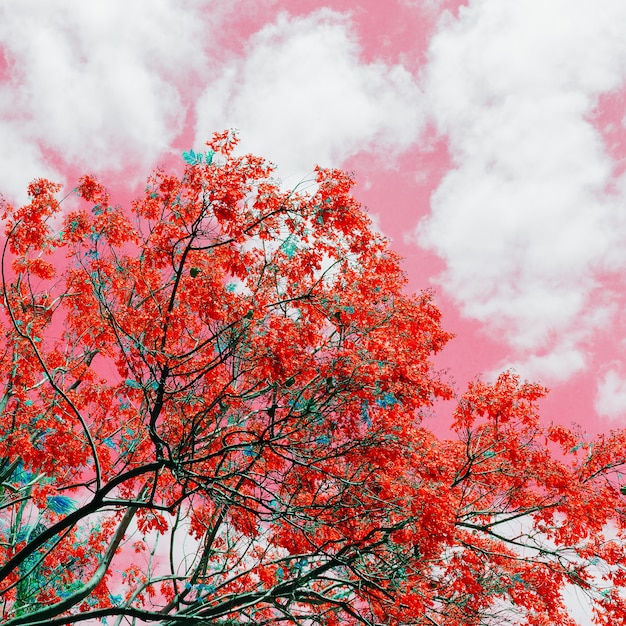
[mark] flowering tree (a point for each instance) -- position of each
(210, 413)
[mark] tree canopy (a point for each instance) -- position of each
(211, 412)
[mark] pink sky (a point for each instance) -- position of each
(487, 138)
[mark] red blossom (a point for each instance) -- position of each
(212, 408)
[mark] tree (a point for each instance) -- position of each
(211, 413)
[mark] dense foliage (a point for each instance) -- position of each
(211, 413)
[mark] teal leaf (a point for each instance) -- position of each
(195, 158)
(386, 401)
(24, 532)
(289, 247)
(61, 505)
(189, 157)
(22, 476)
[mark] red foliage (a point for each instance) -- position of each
(237, 370)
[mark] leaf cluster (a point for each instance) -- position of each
(211, 412)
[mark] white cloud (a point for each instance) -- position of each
(302, 96)
(523, 220)
(106, 86)
(432, 6)
(610, 401)
(21, 160)
(97, 83)
(558, 365)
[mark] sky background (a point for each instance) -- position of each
(487, 139)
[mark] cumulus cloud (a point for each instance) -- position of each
(21, 160)
(107, 86)
(610, 401)
(301, 96)
(557, 365)
(524, 220)
(98, 83)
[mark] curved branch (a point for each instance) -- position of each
(73, 599)
(91, 507)
(47, 373)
